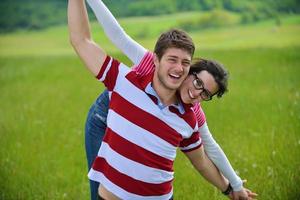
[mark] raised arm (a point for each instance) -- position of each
(115, 33)
(80, 37)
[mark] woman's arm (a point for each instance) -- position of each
(214, 151)
(218, 157)
(133, 50)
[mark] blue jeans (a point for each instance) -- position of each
(94, 131)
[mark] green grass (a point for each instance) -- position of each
(257, 122)
(46, 93)
(54, 41)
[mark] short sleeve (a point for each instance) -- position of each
(191, 143)
(109, 72)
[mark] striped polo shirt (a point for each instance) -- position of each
(135, 160)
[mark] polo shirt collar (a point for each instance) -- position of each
(154, 96)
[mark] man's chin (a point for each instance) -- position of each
(174, 86)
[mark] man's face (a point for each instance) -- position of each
(172, 68)
(190, 94)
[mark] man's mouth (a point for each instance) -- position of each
(175, 76)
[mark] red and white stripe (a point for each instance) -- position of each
(146, 66)
(200, 115)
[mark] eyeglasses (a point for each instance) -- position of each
(199, 85)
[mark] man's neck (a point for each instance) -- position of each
(166, 96)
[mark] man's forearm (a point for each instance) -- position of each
(207, 169)
(218, 157)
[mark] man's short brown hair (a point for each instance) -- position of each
(174, 38)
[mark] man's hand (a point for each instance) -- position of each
(244, 194)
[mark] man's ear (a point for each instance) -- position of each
(155, 60)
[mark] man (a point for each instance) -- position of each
(136, 158)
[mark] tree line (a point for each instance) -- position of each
(39, 14)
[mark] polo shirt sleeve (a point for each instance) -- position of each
(108, 73)
(191, 143)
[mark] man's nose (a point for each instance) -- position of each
(179, 67)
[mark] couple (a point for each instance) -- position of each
(153, 110)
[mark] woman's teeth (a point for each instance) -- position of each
(191, 95)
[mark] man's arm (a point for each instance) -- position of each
(209, 171)
(80, 37)
(206, 168)
(215, 152)
(218, 157)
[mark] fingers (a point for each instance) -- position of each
(236, 196)
(252, 195)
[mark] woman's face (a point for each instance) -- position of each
(188, 92)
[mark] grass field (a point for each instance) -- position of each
(46, 93)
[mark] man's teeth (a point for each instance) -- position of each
(175, 75)
(191, 95)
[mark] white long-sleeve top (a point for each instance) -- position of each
(135, 52)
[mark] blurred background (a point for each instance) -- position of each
(46, 92)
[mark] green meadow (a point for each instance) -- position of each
(45, 94)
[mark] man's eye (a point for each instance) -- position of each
(186, 64)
